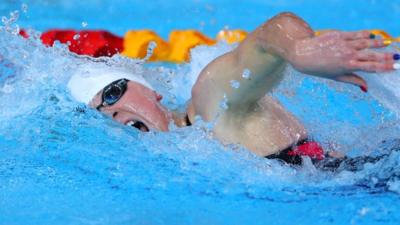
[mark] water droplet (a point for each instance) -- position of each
(224, 103)
(150, 48)
(14, 15)
(8, 23)
(57, 43)
(15, 30)
(363, 211)
(13, 18)
(198, 119)
(84, 24)
(24, 8)
(152, 45)
(76, 37)
(235, 84)
(246, 74)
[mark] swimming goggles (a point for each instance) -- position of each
(113, 92)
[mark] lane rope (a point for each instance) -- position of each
(135, 43)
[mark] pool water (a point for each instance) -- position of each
(64, 163)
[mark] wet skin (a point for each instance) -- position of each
(138, 104)
(253, 119)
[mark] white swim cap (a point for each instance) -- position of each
(89, 80)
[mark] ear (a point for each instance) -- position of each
(353, 79)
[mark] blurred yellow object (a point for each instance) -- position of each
(387, 42)
(389, 39)
(181, 41)
(137, 42)
(231, 36)
(381, 33)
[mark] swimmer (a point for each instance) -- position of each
(251, 118)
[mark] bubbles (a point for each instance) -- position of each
(394, 186)
(363, 211)
(24, 8)
(7, 89)
(13, 18)
(246, 74)
(8, 23)
(224, 103)
(16, 30)
(235, 84)
(84, 24)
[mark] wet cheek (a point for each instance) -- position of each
(141, 110)
(119, 118)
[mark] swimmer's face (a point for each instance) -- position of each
(139, 107)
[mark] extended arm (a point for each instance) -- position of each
(284, 38)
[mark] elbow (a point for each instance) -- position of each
(292, 25)
(286, 18)
(287, 15)
(279, 34)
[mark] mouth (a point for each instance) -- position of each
(138, 125)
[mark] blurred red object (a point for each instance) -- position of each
(92, 43)
(23, 33)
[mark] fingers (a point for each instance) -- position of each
(375, 56)
(370, 61)
(365, 34)
(371, 66)
(368, 43)
(353, 79)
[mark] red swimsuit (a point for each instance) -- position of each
(292, 155)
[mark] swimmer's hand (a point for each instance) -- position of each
(337, 55)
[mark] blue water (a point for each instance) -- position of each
(63, 163)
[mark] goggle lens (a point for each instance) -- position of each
(113, 92)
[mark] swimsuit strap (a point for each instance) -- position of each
(293, 154)
(308, 148)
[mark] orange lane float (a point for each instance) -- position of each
(181, 41)
(231, 36)
(135, 43)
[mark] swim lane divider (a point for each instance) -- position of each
(135, 43)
